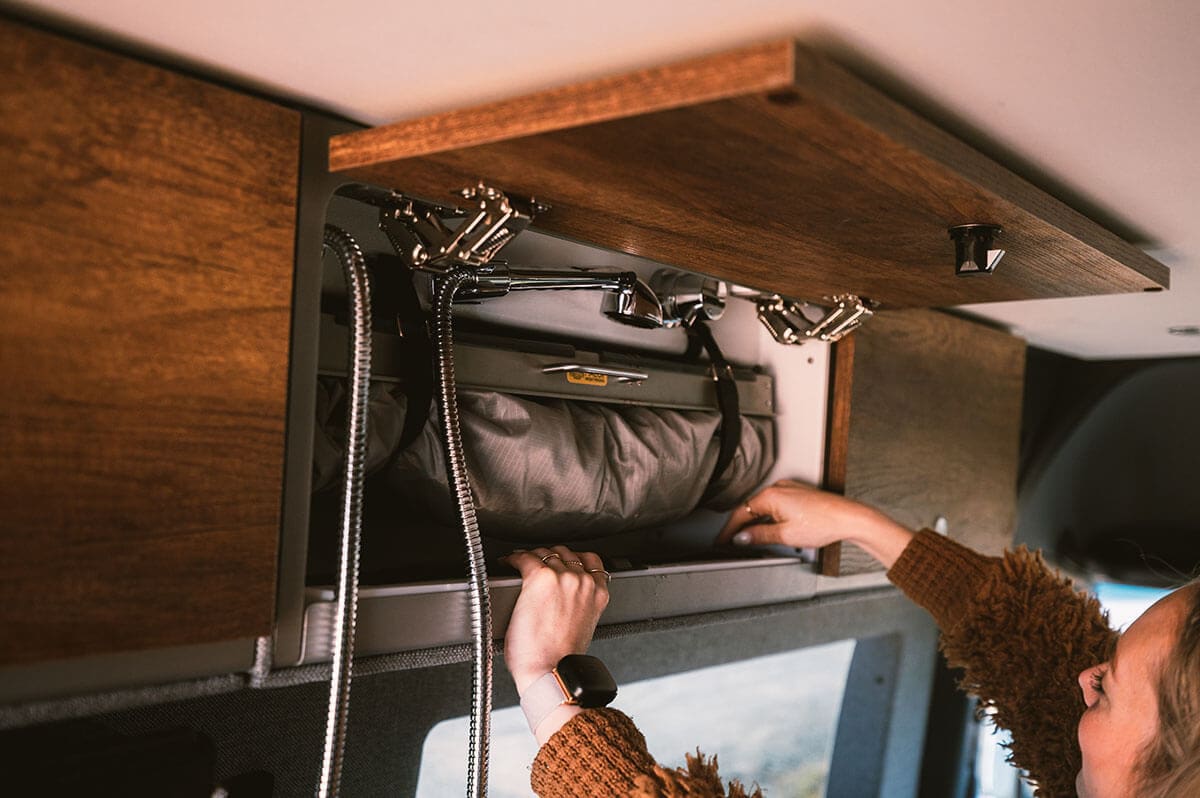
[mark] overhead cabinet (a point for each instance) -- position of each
(145, 286)
(769, 166)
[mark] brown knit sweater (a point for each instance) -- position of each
(1020, 632)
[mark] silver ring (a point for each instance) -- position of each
(607, 575)
(549, 556)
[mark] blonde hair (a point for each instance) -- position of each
(1170, 764)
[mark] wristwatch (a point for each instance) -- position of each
(577, 680)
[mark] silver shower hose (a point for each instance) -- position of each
(460, 488)
(354, 268)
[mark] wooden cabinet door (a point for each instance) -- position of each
(926, 423)
(770, 166)
(146, 259)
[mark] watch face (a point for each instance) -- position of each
(586, 680)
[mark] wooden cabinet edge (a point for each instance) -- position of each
(837, 438)
(758, 68)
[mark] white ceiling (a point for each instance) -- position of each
(1099, 99)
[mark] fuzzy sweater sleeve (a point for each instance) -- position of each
(600, 754)
(1021, 633)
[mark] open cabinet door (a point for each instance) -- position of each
(770, 166)
(925, 425)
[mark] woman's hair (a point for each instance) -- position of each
(1170, 764)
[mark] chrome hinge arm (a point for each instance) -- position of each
(791, 322)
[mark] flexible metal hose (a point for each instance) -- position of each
(460, 489)
(354, 268)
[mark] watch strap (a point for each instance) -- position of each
(543, 697)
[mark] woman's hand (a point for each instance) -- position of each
(557, 610)
(801, 516)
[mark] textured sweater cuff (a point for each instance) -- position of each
(599, 752)
(940, 574)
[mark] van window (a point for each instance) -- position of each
(1126, 602)
(771, 719)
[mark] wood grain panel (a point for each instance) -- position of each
(811, 186)
(145, 285)
(933, 427)
(763, 67)
(837, 439)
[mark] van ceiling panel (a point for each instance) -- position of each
(769, 166)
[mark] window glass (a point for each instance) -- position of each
(444, 756)
(1126, 602)
(771, 720)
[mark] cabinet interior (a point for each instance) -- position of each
(402, 548)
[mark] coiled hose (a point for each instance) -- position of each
(354, 269)
(460, 489)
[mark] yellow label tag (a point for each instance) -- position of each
(583, 378)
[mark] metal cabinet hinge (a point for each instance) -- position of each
(791, 322)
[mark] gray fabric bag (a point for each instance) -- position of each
(552, 469)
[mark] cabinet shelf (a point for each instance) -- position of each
(770, 166)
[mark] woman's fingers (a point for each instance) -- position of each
(592, 563)
(526, 562)
(759, 535)
(595, 568)
(556, 612)
(554, 560)
(586, 561)
(560, 559)
(799, 515)
(740, 517)
(763, 505)
(569, 558)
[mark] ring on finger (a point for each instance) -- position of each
(573, 562)
(607, 575)
(550, 556)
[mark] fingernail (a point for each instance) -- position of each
(742, 539)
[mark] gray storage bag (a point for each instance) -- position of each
(552, 469)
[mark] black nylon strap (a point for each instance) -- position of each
(397, 308)
(727, 402)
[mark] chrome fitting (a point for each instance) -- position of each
(791, 322)
(493, 219)
(688, 297)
